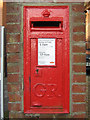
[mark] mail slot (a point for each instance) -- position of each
(43, 24)
(46, 59)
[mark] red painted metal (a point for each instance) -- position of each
(46, 88)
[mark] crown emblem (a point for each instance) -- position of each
(46, 13)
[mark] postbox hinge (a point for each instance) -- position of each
(29, 80)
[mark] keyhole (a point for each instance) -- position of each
(37, 70)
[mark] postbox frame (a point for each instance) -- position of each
(27, 50)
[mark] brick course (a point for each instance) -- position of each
(13, 58)
(78, 37)
(13, 28)
(79, 98)
(16, 115)
(14, 106)
(79, 19)
(79, 28)
(79, 88)
(13, 78)
(78, 8)
(83, 115)
(14, 87)
(79, 78)
(13, 8)
(13, 38)
(13, 19)
(79, 107)
(79, 58)
(13, 48)
(12, 68)
(15, 64)
(14, 97)
(78, 49)
(79, 68)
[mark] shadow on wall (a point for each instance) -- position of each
(6, 112)
(88, 56)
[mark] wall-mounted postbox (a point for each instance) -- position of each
(46, 59)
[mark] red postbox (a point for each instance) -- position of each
(46, 59)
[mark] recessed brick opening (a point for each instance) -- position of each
(15, 78)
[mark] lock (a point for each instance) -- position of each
(37, 70)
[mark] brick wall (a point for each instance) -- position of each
(78, 95)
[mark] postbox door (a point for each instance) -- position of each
(47, 73)
(46, 59)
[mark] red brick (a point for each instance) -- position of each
(12, 58)
(78, 8)
(13, 38)
(79, 18)
(79, 58)
(78, 49)
(79, 68)
(83, 115)
(12, 19)
(14, 87)
(21, 115)
(14, 97)
(79, 107)
(13, 48)
(79, 88)
(14, 106)
(12, 68)
(78, 98)
(13, 77)
(16, 115)
(79, 78)
(79, 28)
(13, 28)
(88, 45)
(12, 8)
(79, 37)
